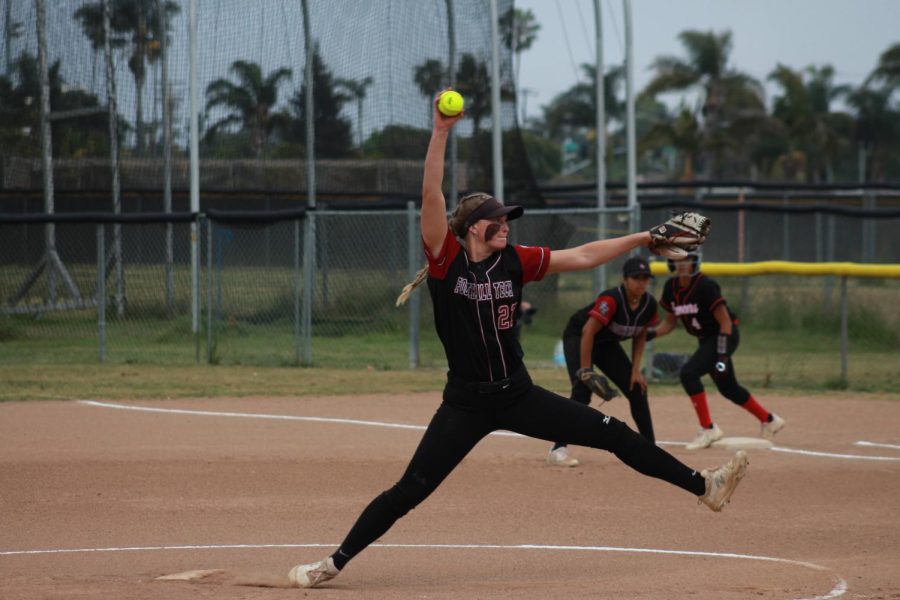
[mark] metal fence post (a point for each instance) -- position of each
(309, 282)
(412, 267)
(101, 292)
(298, 340)
(844, 341)
(209, 287)
(785, 231)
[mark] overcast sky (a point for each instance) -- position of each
(850, 35)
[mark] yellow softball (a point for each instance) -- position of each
(450, 103)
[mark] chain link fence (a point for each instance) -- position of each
(253, 284)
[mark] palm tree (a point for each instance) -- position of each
(519, 29)
(877, 128)
(136, 19)
(20, 115)
(248, 102)
(726, 95)
(576, 108)
(356, 89)
(888, 69)
(682, 132)
(473, 81)
(430, 77)
(333, 137)
(804, 109)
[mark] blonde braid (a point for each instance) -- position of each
(421, 275)
(457, 222)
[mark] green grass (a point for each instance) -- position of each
(789, 343)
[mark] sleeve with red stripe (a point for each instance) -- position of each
(535, 260)
(440, 264)
(604, 308)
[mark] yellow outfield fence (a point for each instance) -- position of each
(841, 270)
(784, 267)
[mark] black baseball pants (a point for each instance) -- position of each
(612, 361)
(465, 417)
(704, 360)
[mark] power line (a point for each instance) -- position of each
(562, 22)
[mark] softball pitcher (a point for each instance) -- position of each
(697, 300)
(475, 287)
(593, 336)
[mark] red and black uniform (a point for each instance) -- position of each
(694, 305)
(488, 388)
(620, 322)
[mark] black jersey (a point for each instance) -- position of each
(695, 304)
(475, 306)
(620, 322)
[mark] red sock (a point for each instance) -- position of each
(754, 407)
(702, 409)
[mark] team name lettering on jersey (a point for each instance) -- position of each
(686, 309)
(482, 291)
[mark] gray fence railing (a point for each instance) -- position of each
(254, 289)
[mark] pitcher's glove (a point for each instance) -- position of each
(596, 383)
(679, 235)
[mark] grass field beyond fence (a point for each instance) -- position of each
(789, 329)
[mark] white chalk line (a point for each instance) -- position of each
(209, 413)
(839, 589)
(877, 445)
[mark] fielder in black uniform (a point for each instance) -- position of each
(475, 288)
(593, 336)
(697, 300)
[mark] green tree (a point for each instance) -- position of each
(576, 108)
(356, 90)
(682, 132)
(430, 78)
(877, 129)
(138, 21)
(727, 97)
(20, 114)
(248, 102)
(814, 133)
(888, 69)
(332, 132)
(518, 30)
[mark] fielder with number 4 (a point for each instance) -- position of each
(697, 300)
(475, 279)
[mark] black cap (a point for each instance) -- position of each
(636, 266)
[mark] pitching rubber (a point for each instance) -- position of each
(742, 443)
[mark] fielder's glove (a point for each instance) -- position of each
(596, 383)
(679, 235)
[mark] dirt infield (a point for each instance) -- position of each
(97, 502)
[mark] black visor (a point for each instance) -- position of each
(491, 209)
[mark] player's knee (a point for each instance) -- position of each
(407, 493)
(735, 393)
(580, 393)
(690, 381)
(614, 435)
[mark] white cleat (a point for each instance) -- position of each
(705, 438)
(721, 482)
(311, 575)
(770, 428)
(560, 458)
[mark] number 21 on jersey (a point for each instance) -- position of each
(506, 315)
